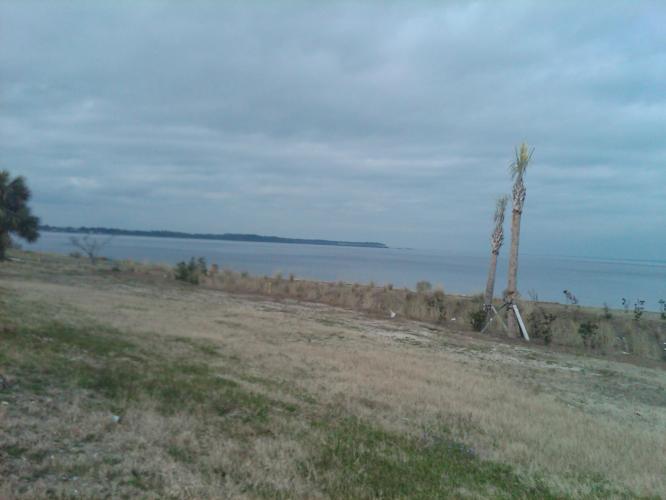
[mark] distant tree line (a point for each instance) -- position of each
(208, 236)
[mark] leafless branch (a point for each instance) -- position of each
(90, 246)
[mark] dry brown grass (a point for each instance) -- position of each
(78, 451)
(577, 422)
(619, 335)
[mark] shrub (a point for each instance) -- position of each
(437, 305)
(423, 287)
(637, 342)
(477, 319)
(570, 298)
(607, 313)
(565, 331)
(606, 337)
(588, 332)
(539, 324)
(90, 246)
(639, 308)
(191, 271)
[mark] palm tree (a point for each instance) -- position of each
(496, 241)
(517, 168)
(15, 215)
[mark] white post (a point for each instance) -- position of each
(523, 330)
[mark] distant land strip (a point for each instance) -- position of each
(206, 236)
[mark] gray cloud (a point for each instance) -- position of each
(386, 121)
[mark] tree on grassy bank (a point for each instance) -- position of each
(518, 168)
(90, 246)
(15, 215)
(496, 241)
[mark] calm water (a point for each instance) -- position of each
(593, 281)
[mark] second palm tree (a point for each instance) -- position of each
(518, 168)
(496, 240)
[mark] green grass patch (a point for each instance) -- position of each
(359, 460)
(201, 345)
(182, 454)
(13, 451)
(100, 360)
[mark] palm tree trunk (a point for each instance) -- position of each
(490, 285)
(513, 269)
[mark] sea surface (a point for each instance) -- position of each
(592, 281)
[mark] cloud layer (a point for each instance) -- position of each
(377, 121)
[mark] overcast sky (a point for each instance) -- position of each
(391, 122)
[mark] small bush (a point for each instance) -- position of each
(565, 332)
(607, 313)
(192, 271)
(588, 332)
(540, 323)
(606, 337)
(437, 305)
(423, 287)
(570, 298)
(625, 304)
(477, 319)
(639, 308)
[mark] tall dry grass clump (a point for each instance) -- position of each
(425, 304)
(548, 323)
(609, 332)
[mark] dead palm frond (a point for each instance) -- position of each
(500, 208)
(497, 237)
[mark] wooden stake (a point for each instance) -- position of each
(494, 314)
(523, 330)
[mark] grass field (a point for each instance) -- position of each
(128, 384)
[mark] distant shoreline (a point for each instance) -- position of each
(255, 238)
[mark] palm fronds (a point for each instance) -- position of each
(500, 208)
(497, 237)
(523, 158)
